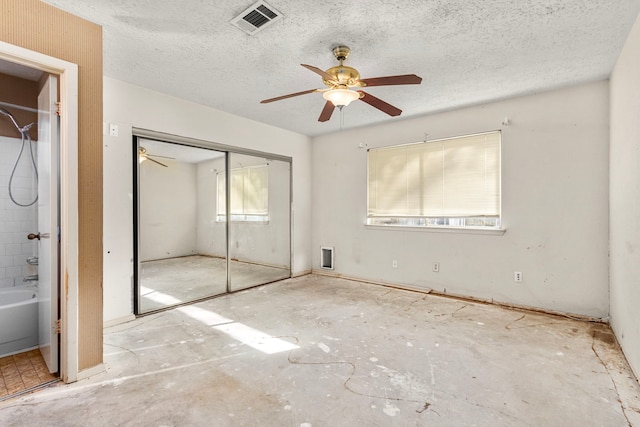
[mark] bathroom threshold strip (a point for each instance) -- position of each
(29, 390)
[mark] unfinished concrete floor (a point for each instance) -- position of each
(317, 351)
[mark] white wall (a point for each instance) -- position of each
(168, 210)
(554, 205)
(625, 198)
(16, 221)
(132, 106)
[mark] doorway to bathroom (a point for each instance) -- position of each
(209, 219)
(29, 224)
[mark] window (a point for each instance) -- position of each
(453, 182)
(249, 191)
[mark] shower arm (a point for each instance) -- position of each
(13, 120)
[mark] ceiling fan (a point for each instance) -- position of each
(341, 79)
(143, 155)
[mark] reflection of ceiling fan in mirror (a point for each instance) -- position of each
(143, 155)
(343, 84)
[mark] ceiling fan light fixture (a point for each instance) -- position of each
(341, 97)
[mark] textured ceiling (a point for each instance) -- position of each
(466, 51)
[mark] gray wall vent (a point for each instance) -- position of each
(256, 18)
(326, 257)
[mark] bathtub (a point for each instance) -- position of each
(18, 319)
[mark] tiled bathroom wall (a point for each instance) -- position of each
(16, 222)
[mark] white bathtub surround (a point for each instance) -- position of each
(18, 319)
(15, 221)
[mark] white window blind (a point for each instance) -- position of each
(449, 178)
(249, 192)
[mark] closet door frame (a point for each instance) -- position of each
(198, 143)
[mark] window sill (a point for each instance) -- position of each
(243, 222)
(460, 230)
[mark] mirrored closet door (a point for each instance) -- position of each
(259, 238)
(208, 221)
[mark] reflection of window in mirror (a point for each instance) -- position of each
(249, 187)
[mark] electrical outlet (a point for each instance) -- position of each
(394, 263)
(436, 267)
(517, 276)
(113, 129)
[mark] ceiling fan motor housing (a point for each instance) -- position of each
(344, 75)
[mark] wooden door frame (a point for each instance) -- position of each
(67, 73)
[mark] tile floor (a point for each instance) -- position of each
(23, 371)
(316, 351)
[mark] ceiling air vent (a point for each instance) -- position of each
(256, 18)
